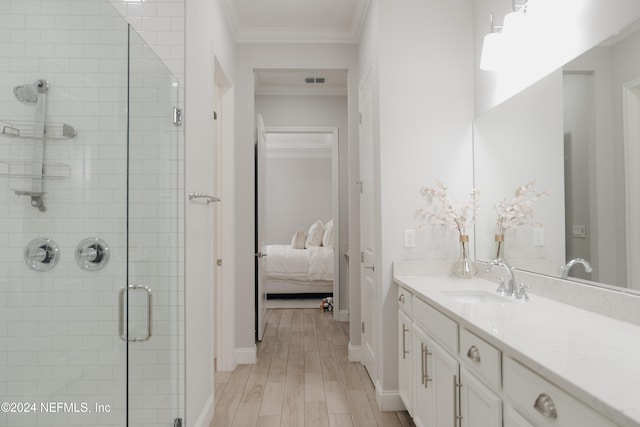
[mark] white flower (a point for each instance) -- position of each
(455, 215)
(519, 210)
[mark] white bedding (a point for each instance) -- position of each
(302, 265)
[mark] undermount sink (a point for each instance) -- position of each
(471, 296)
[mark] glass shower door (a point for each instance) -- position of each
(154, 294)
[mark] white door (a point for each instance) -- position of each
(367, 231)
(261, 228)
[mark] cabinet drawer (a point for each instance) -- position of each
(544, 404)
(404, 300)
(481, 358)
(437, 324)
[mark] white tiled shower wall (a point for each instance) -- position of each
(59, 329)
(161, 25)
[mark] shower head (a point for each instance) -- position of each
(28, 94)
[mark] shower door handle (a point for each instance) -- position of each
(123, 334)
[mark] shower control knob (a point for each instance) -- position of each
(92, 254)
(41, 254)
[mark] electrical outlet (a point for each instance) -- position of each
(409, 238)
(538, 236)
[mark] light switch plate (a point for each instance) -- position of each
(410, 238)
(538, 236)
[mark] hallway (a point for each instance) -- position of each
(302, 378)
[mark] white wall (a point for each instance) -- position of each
(208, 39)
(299, 192)
(425, 102)
(249, 58)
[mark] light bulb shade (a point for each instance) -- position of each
(514, 24)
(492, 52)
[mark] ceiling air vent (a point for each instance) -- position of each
(310, 80)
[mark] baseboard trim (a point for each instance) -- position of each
(354, 353)
(388, 400)
(246, 356)
(206, 415)
(343, 315)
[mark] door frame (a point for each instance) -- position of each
(631, 136)
(332, 132)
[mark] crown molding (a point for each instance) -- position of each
(295, 35)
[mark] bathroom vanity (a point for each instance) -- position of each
(471, 357)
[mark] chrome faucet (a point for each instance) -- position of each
(512, 290)
(564, 270)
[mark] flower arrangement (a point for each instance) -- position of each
(519, 209)
(459, 216)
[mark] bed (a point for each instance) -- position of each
(303, 268)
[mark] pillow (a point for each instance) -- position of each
(299, 239)
(327, 237)
(314, 235)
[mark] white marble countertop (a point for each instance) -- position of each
(593, 357)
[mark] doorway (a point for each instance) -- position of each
(289, 107)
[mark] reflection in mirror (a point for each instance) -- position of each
(576, 133)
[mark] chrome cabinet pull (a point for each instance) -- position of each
(404, 342)
(122, 332)
(401, 298)
(457, 418)
(474, 353)
(544, 404)
(425, 365)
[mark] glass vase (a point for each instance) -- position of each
(499, 238)
(464, 268)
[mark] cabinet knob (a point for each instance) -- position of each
(401, 298)
(544, 404)
(473, 353)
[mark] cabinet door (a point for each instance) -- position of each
(405, 361)
(479, 406)
(513, 419)
(435, 398)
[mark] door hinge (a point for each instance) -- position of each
(219, 262)
(177, 422)
(215, 115)
(363, 327)
(361, 256)
(360, 118)
(177, 116)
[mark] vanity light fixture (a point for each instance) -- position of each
(504, 39)
(492, 48)
(516, 21)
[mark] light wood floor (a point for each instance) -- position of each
(302, 378)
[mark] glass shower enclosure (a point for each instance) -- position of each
(91, 235)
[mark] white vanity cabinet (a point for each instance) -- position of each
(405, 358)
(471, 366)
(435, 382)
(405, 355)
(480, 376)
(541, 403)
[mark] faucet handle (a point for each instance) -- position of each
(502, 289)
(522, 292)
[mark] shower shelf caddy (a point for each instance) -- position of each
(26, 175)
(23, 129)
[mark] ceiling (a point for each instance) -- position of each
(300, 82)
(296, 21)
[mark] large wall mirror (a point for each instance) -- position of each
(576, 132)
